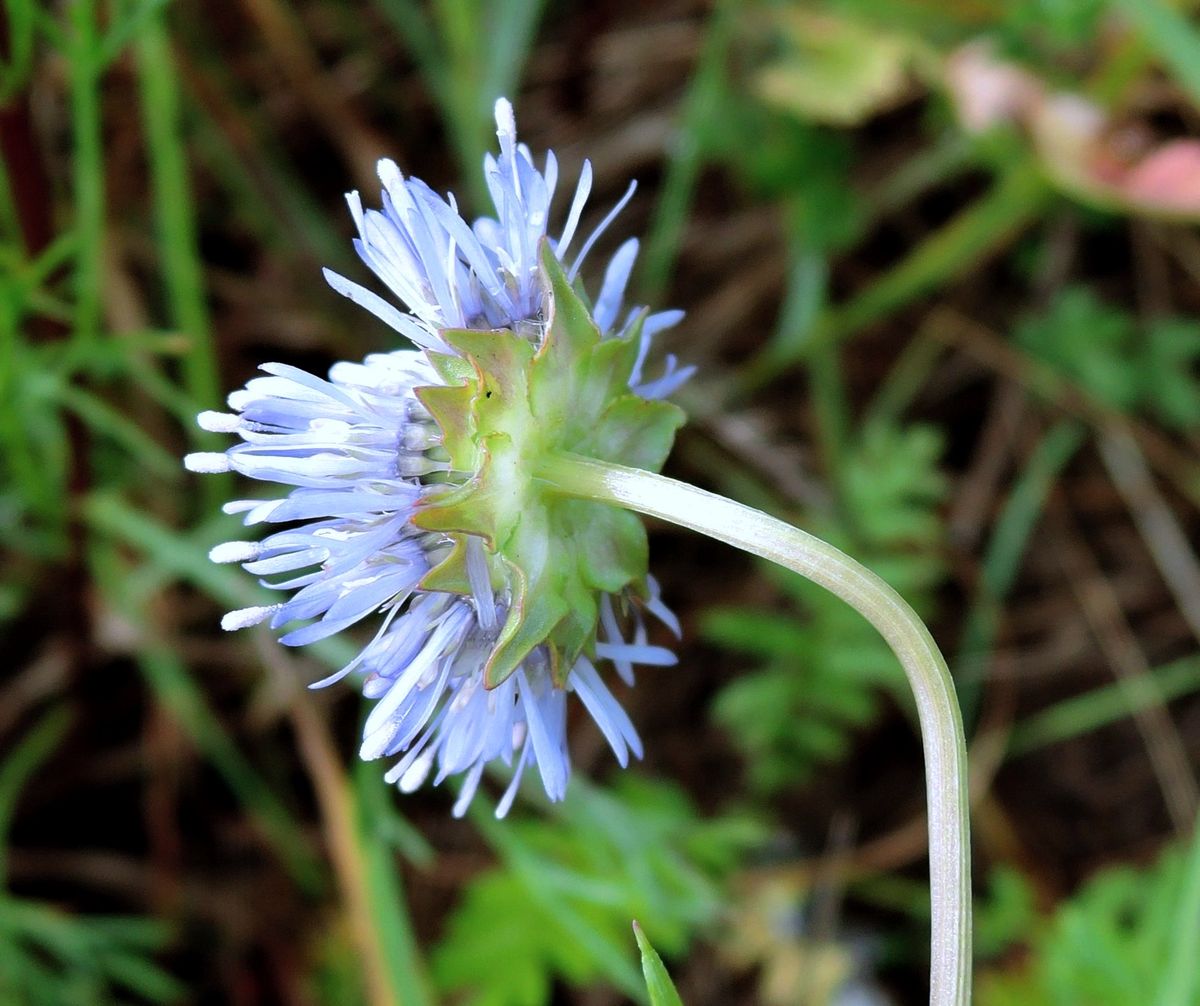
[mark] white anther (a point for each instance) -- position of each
(518, 733)
(235, 551)
(219, 422)
(243, 618)
(419, 437)
(506, 121)
(415, 774)
(206, 463)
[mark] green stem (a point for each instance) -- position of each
(937, 707)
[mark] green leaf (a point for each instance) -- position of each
(1127, 366)
(659, 986)
(1090, 342)
(1005, 916)
(836, 70)
(1172, 35)
(1107, 945)
(1172, 391)
(558, 905)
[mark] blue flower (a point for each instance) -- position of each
(359, 453)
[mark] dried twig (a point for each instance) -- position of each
(1125, 658)
(956, 329)
(1158, 526)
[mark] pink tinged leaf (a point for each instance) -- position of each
(1167, 179)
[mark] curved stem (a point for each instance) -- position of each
(937, 708)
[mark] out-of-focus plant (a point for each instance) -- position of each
(1005, 915)
(1128, 936)
(836, 69)
(1125, 364)
(49, 956)
(638, 851)
(1083, 147)
(824, 670)
(774, 933)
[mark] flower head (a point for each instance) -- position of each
(413, 483)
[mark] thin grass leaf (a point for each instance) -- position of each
(10, 224)
(659, 986)
(402, 955)
(54, 957)
(1182, 971)
(87, 168)
(19, 765)
(126, 25)
(807, 290)
(264, 189)
(174, 688)
(413, 25)
(1005, 550)
(385, 821)
(34, 456)
(175, 555)
(1101, 706)
(512, 25)
(141, 976)
(182, 269)
(1171, 34)
(470, 54)
(103, 419)
(56, 254)
(686, 156)
(49, 27)
(1014, 202)
(131, 930)
(19, 38)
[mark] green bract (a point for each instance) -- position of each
(509, 407)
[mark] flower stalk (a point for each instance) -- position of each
(937, 707)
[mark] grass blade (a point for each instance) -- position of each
(687, 158)
(385, 894)
(173, 206)
(20, 763)
(87, 168)
(1183, 966)
(658, 983)
(1100, 707)
(1171, 35)
(1001, 563)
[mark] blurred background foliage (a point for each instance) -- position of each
(942, 279)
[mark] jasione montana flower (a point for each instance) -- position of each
(414, 491)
